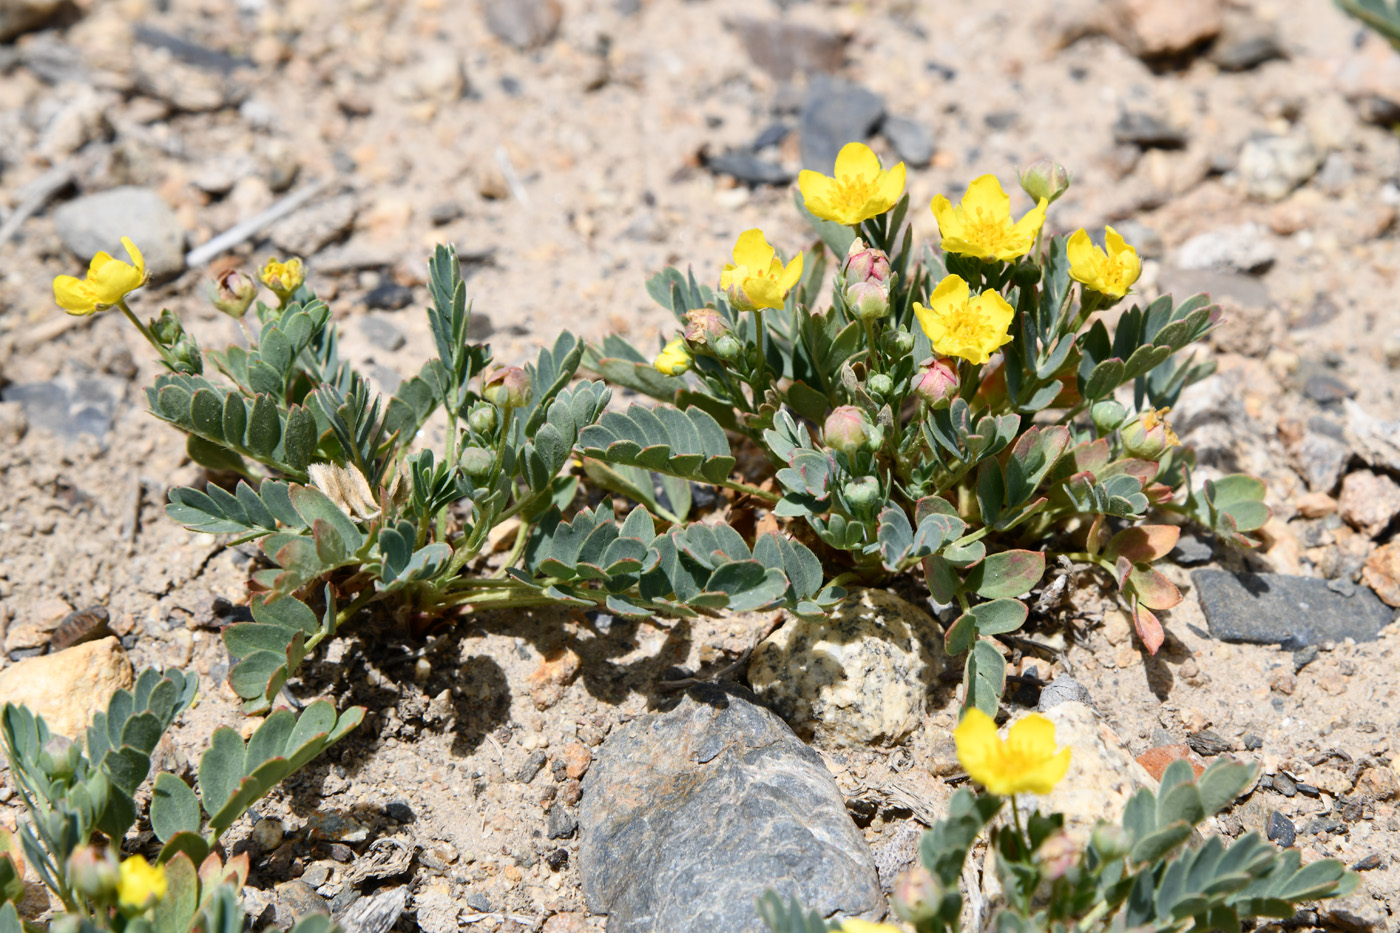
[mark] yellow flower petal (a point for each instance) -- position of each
(752, 250)
(857, 160)
(892, 185)
(764, 292)
(74, 295)
(986, 194)
(1115, 242)
(791, 275)
(137, 259)
(1025, 762)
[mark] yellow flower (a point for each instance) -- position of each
(865, 926)
(960, 325)
(860, 190)
(1111, 272)
(674, 358)
(284, 278)
(1025, 762)
(757, 278)
(108, 281)
(140, 883)
(981, 225)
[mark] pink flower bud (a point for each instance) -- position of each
(508, 388)
(937, 384)
(869, 300)
(847, 429)
(866, 264)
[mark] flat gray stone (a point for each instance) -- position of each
(689, 815)
(96, 223)
(1278, 609)
(68, 407)
(525, 24)
(786, 49)
(836, 112)
(911, 140)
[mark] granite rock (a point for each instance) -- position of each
(858, 677)
(1369, 501)
(1376, 441)
(1278, 609)
(1272, 166)
(97, 222)
(688, 815)
(1242, 248)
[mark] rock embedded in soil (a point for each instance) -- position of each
(787, 49)
(1191, 550)
(525, 24)
(690, 814)
(68, 407)
(860, 676)
(747, 168)
(1321, 459)
(1375, 441)
(1272, 166)
(1369, 501)
(97, 222)
(1146, 131)
(66, 688)
(311, 229)
(1241, 248)
(911, 140)
(1281, 830)
(1153, 29)
(1063, 689)
(836, 112)
(1278, 609)
(1156, 760)
(1382, 573)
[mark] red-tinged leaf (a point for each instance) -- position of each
(1091, 457)
(1098, 534)
(1153, 590)
(1157, 493)
(1007, 574)
(1145, 471)
(1148, 629)
(1142, 544)
(1121, 569)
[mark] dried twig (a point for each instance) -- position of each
(246, 229)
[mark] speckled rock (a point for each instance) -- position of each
(689, 815)
(861, 676)
(68, 687)
(1102, 776)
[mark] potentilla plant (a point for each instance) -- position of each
(1140, 873)
(968, 412)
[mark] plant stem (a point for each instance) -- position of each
(145, 331)
(754, 491)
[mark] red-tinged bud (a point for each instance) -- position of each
(937, 385)
(847, 429)
(866, 264)
(508, 388)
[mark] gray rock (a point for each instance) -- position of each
(1376, 441)
(532, 766)
(1146, 131)
(382, 333)
(1272, 166)
(1242, 248)
(1281, 829)
(297, 899)
(312, 229)
(1278, 609)
(1208, 744)
(1321, 460)
(1246, 46)
(525, 24)
(787, 49)
(68, 407)
(1327, 389)
(97, 222)
(1336, 174)
(689, 815)
(1191, 550)
(389, 295)
(858, 677)
(748, 168)
(444, 212)
(20, 16)
(479, 901)
(1147, 241)
(1063, 689)
(561, 824)
(911, 140)
(836, 112)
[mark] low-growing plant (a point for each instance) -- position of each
(1381, 15)
(1148, 871)
(81, 802)
(968, 413)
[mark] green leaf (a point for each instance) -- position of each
(1007, 574)
(264, 427)
(1222, 782)
(192, 845)
(174, 807)
(960, 634)
(213, 457)
(984, 677)
(999, 616)
(1158, 844)
(175, 911)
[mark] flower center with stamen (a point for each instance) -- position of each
(984, 228)
(965, 324)
(853, 193)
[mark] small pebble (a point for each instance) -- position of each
(1282, 830)
(1369, 863)
(268, 834)
(532, 766)
(1284, 785)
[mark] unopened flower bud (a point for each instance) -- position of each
(880, 384)
(284, 278)
(508, 387)
(869, 300)
(917, 895)
(476, 462)
(862, 493)
(937, 384)
(1148, 436)
(704, 326)
(185, 356)
(674, 358)
(482, 419)
(866, 264)
(232, 293)
(94, 874)
(902, 342)
(1107, 415)
(166, 328)
(59, 757)
(1045, 178)
(727, 348)
(847, 429)
(1057, 855)
(1111, 841)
